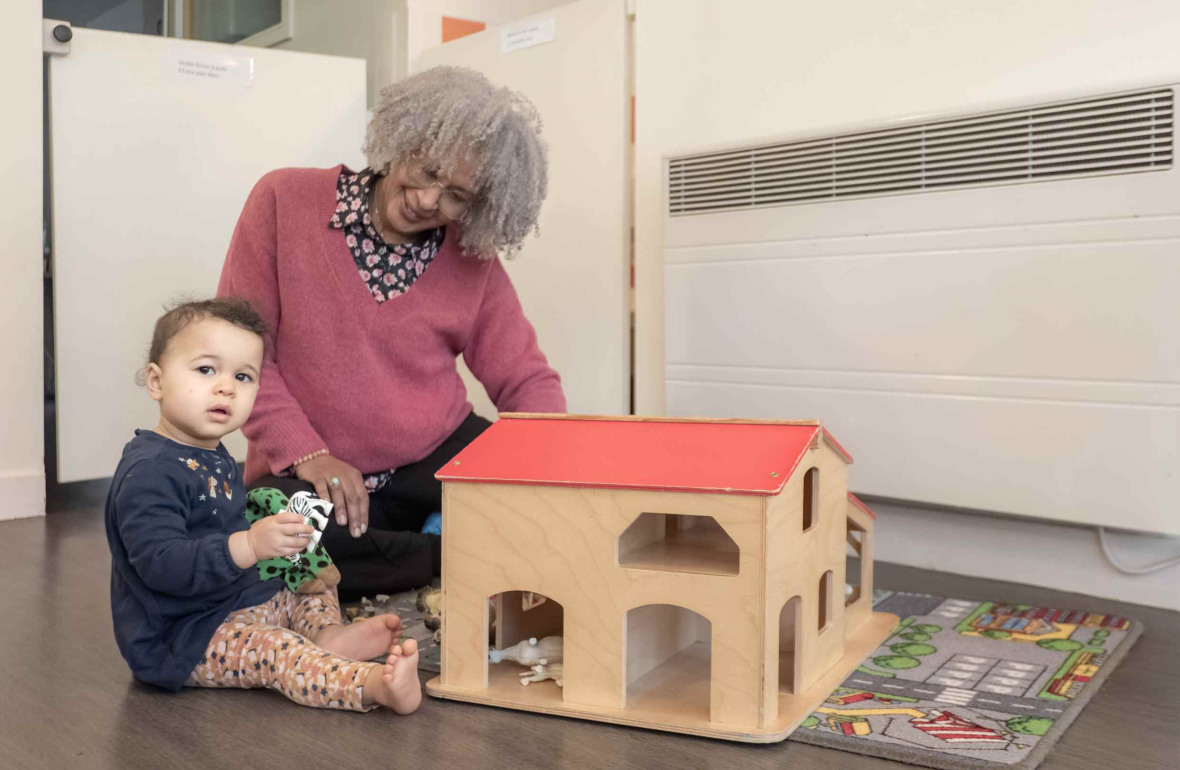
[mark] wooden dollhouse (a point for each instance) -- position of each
(697, 571)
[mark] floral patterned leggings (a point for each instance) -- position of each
(270, 646)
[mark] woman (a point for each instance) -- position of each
(372, 283)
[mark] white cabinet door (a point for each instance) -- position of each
(154, 146)
(574, 280)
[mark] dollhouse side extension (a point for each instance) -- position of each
(696, 571)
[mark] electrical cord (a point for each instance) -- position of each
(1143, 570)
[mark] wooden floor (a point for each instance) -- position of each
(69, 701)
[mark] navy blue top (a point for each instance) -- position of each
(170, 511)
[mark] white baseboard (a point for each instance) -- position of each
(22, 496)
(1025, 551)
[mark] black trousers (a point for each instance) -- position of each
(393, 555)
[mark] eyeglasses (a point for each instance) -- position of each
(453, 202)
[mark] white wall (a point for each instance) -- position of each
(367, 29)
(1039, 553)
(493, 12)
(425, 18)
(710, 74)
(390, 34)
(22, 444)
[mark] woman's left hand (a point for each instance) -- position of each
(344, 485)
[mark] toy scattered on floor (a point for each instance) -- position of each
(311, 571)
(541, 672)
(429, 601)
(530, 652)
(366, 609)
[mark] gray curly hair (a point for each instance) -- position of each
(446, 114)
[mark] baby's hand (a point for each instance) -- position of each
(283, 534)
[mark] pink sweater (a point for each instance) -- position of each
(376, 384)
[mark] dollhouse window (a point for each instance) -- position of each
(825, 601)
(810, 498)
(674, 542)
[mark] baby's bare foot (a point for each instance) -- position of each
(400, 689)
(361, 640)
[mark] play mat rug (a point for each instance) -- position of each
(958, 684)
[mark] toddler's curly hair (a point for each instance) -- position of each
(234, 310)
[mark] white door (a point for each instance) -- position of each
(573, 280)
(154, 146)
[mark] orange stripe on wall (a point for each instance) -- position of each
(453, 28)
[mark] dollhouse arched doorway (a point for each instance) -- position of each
(789, 645)
(669, 661)
(513, 619)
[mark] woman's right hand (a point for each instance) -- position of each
(283, 534)
(344, 485)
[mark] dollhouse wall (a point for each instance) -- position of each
(797, 563)
(562, 542)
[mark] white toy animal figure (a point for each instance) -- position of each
(541, 672)
(530, 652)
(315, 514)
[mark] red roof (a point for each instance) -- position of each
(751, 458)
(859, 504)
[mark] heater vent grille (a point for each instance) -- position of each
(1108, 135)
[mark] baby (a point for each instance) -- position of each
(189, 606)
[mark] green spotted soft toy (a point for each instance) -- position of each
(310, 571)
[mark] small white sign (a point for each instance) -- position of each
(228, 70)
(528, 35)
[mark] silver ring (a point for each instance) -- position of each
(335, 481)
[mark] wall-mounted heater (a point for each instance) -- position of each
(986, 306)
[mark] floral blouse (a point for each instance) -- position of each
(389, 270)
